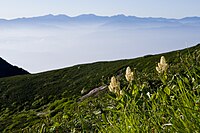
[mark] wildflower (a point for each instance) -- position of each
(129, 74)
(114, 85)
(121, 93)
(167, 124)
(97, 112)
(83, 91)
(162, 66)
(149, 95)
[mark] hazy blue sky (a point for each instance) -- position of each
(143, 8)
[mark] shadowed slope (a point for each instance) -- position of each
(7, 69)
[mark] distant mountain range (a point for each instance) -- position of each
(7, 69)
(55, 41)
(103, 20)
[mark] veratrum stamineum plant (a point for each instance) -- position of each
(133, 104)
(173, 107)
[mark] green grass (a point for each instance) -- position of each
(172, 107)
(47, 102)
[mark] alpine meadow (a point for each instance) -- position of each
(99, 66)
(145, 94)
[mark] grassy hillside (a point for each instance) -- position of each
(32, 100)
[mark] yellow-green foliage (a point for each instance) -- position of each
(149, 101)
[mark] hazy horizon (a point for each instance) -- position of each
(43, 44)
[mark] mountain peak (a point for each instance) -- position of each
(193, 17)
(91, 15)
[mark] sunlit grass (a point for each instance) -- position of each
(140, 98)
(134, 106)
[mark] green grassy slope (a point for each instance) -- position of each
(36, 93)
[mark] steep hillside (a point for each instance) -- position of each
(7, 69)
(24, 98)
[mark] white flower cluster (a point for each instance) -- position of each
(115, 86)
(162, 66)
(129, 74)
